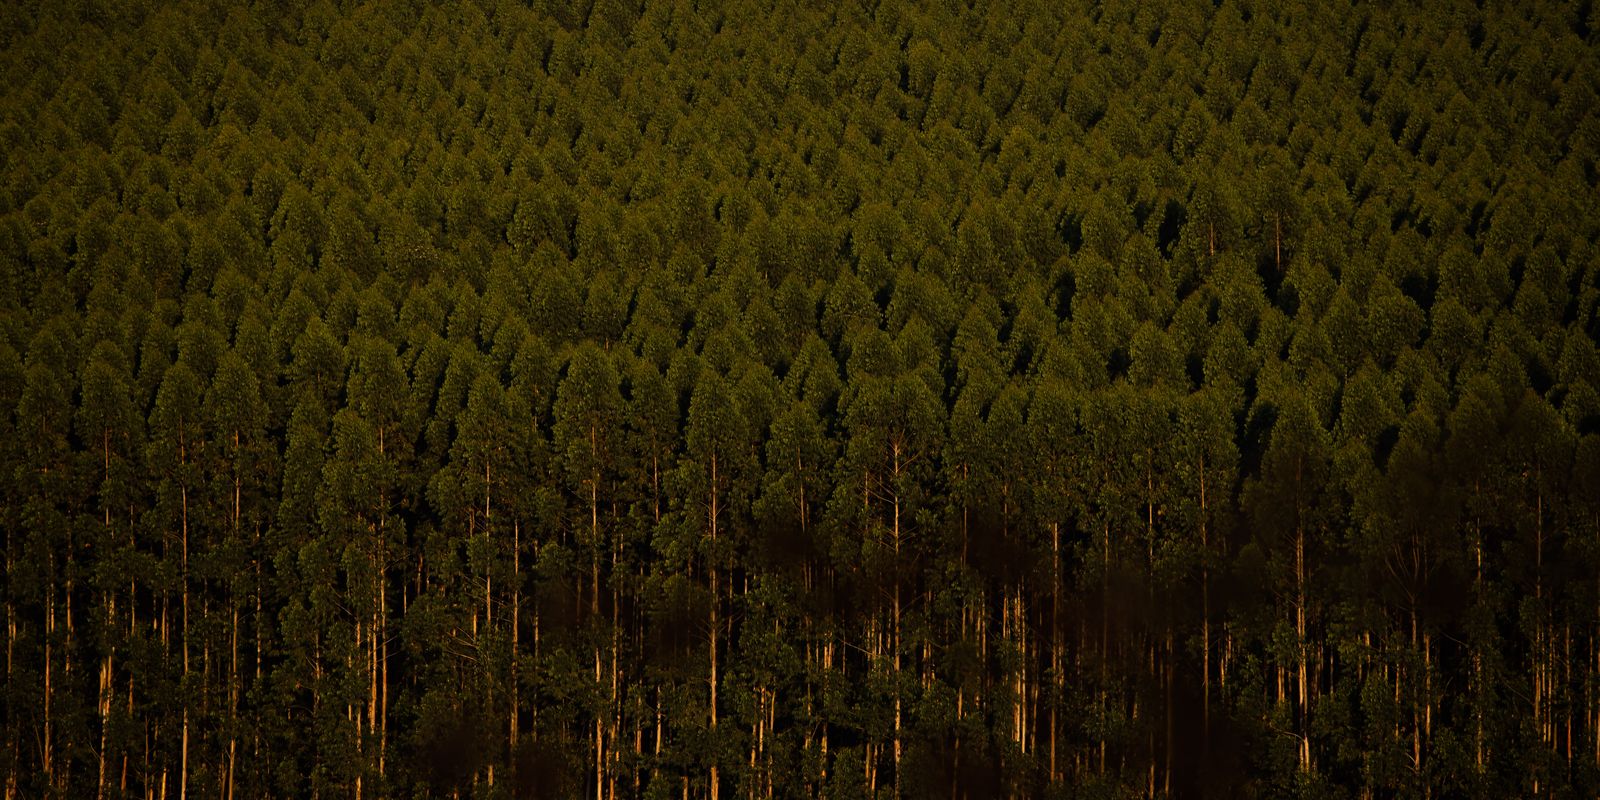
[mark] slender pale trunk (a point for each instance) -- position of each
(183, 761)
(233, 659)
(772, 721)
(233, 695)
(105, 712)
(655, 494)
(381, 650)
(111, 614)
(827, 666)
(715, 597)
(352, 713)
(1300, 633)
(1277, 240)
(1019, 692)
(896, 641)
(616, 672)
(594, 614)
(756, 721)
(1566, 665)
(1224, 658)
(122, 780)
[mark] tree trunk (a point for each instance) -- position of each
(1166, 774)
(183, 771)
(1301, 698)
(105, 712)
(715, 598)
(233, 693)
(1205, 613)
(594, 615)
(233, 631)
(895, 643)
(1277, 240)
(616, 672)
(46, 753)
(1056, 680)
(1539, 679)
(1105, 633)
(14, 764)
(1477, 655)
(1300, 633)
(516, 622)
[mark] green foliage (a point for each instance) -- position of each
(883, 400)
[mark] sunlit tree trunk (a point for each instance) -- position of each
(715, 630)
(895, 643)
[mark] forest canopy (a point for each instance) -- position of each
(658, 399)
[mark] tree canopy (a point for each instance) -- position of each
(881, 399)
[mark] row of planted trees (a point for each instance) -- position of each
(908, 560)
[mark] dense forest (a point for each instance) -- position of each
(671, 399)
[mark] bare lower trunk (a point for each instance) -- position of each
(715, 597)
(516, 621)
(1300, 632)
(896, 641)
(594, 615)
(105, 700)
(1205, 611)
(1055, 643)
(233, 699)
(46, 755)
(183, 761)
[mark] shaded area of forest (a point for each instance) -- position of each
(648, 400)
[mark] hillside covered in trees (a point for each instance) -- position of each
(670, 399)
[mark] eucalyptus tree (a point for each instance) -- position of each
(588, 437)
